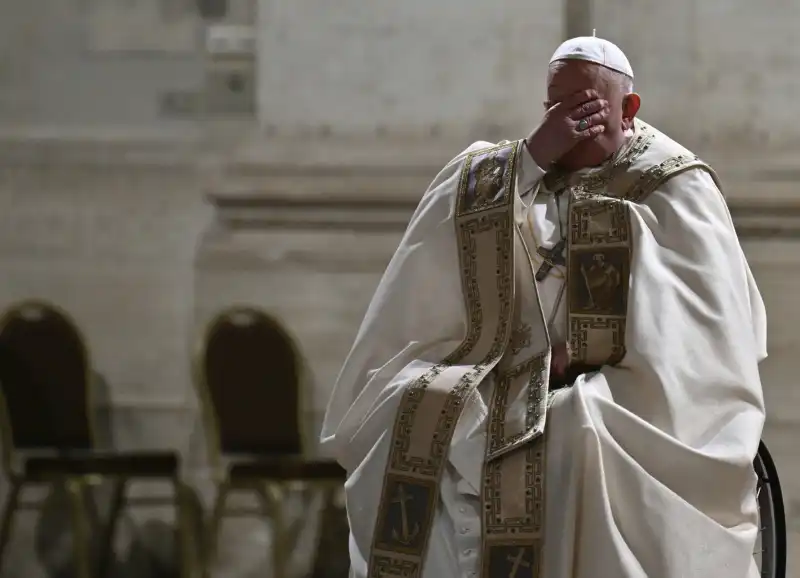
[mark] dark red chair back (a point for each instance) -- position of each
(44, 375)
(251, 373)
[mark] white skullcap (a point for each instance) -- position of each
(597, 50)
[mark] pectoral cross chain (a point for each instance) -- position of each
(552, 257)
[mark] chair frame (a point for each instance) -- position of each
(771, 516)
(78, 485)
(209, 415)
(770, 501)
(268, 491)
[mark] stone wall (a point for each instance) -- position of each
(142, 246)
(113, 243)
(110, 210)
(713, 73)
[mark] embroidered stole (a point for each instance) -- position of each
(512, 528)
(507, 334)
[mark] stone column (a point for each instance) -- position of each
(578, 18)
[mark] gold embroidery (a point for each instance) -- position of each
(488, 180)
(534, 372)
(651, 179)
(513, 561)
(503, 524)
(598, 260)
(401, 522)
(516, 562)
(598, 271)
(600, 252)
(411, 482)
(598, 286)
(520, 338)
(557, 179)
(601, 221)
(406, 534)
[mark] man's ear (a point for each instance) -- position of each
(630, 107)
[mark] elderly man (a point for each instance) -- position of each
(558, 374)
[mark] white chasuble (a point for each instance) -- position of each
(642, 467)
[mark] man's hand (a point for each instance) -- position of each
(559, 363)
(563, 370)
(577, 118)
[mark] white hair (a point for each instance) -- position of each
(622, 81)
(625, 82)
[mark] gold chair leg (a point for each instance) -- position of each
(270, 500)
(76, 490)
(214, 527)
(117, 505)
(329, 491)
(185, 551)
(10, 508)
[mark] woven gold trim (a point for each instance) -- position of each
(433, 403)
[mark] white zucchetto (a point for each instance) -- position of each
(596, 50)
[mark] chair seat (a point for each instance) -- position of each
(287, 469)
(157, 464)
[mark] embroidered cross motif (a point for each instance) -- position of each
(517, 562)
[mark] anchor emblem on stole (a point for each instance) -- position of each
(407, 535)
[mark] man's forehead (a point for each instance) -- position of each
(568, 77)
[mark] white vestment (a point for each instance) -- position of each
(648, 470)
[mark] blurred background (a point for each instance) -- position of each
(164, 160)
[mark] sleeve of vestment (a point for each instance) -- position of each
(660, 447)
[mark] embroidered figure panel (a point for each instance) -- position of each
(599, 259)
(598, 275)
(488, 179)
